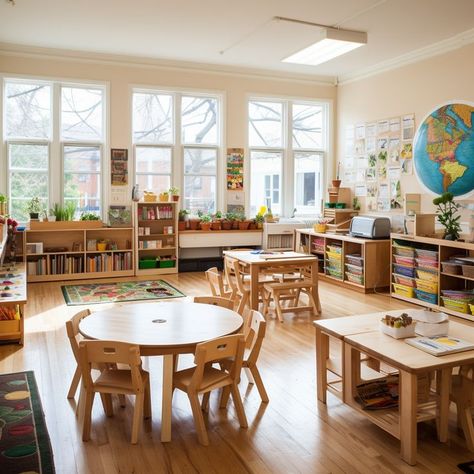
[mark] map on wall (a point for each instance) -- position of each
(444, 150)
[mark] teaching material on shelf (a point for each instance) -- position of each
(441, 345)
(378, 394)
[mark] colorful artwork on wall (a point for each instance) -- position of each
(235, 169)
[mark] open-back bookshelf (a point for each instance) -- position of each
(156, 238)
(74, 254)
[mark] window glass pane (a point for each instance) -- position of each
(27, 110)
(153, 160)
(152, 118)
(155, 183)
(82, 177)
(199, 120)
(265, 177)
(81, 113)
(308, 193)
(28, 177)
(307, 126)
(200, 193)
(265, 124)
(200, 161)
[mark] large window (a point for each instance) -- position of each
(177, 142)
(54, 133)
(287, 142)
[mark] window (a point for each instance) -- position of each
(166, 148)
(287, 141)
(35, 154)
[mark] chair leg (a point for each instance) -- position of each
(239, 407)
(80, 403)
(74, 383)
(259, 384)
(243, 302)
(147, 405)
(107, 403)
(249, 375)
(224, 397)
(276, 300)
(122, 399)
(137, 416)
(198, 419)
(467, 425)
(205, 402)
(86, 426)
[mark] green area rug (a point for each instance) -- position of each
(24, 439)
(119, 292)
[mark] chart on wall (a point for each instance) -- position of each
(377, 154)
(444, 150)
(235, 169)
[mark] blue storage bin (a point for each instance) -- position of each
(428, 297)
(403, 270)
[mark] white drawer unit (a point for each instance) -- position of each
(280, 235)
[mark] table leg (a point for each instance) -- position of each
(167, 398)
(408, 408)
(322, 349)
(254, 270)
(314, 281)
(444, 376)
(350, 371)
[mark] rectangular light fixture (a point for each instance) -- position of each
(334, 42)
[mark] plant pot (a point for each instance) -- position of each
(259, 225)
(101, 247)
(51, 218)
(336, 183)
(164, 197)
(34, 216)
(320, 228)
(175, 197)
(181, 225)
(193, 224)
(227, 225)
(3, 208)
(252, 226)
(235, 225)
(216, 225)
(206, 226)
(244, 225)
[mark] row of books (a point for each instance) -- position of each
(156, 212)
(109, 262)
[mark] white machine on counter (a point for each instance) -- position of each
(370, 227)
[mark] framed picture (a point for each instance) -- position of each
(119, 166)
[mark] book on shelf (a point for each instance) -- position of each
(160, 211)
(440, 345)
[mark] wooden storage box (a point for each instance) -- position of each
(398, 333)
(63, 225)
(9, 326)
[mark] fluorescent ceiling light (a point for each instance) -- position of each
(333, 43)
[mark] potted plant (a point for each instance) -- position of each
(260, 217)
(252, 224)
(337, 182)
(242, 222)
(182, 217)
(3, 204)
(194, 221)
(217, 221)
(206, 222)
(174, 193)
(102, 245)
(448, 215)
(228, 221)
(356, 204)
(69, 211)
(320, 225)
(269, 216)
(164, 196)
(34, 207)
(89, 216)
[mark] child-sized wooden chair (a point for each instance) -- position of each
(216, 282)
(203, 378)
(132, 381)
(462, 394)
(215, 300)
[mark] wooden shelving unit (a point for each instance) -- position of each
(374, 254)
(445, 281)
(156, 226)
(67, 254)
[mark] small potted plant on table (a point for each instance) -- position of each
(34, 208)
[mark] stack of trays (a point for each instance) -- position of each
(334, 261)
(355, 268)
(458, 300)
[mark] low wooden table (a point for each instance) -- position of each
(408, 360)
(258, 263)
(163, 329)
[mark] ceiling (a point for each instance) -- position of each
(240, 34)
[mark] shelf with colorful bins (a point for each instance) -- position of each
(334, 260)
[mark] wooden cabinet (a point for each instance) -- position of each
(73, 254)
(359, 264)
(429, 283)
(156, 238)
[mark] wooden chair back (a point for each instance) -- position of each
(109, 353)
(254, 334)
(72, 329)
(216, 282)
(230, 274)
(223, 348)
(215, 300)
(239, 278)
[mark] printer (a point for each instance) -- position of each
(370, 227)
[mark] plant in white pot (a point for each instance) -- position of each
(34, 208)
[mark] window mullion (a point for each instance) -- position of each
(55, 175)
(177, 152)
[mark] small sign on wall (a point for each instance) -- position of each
(235, 169)
(119, 166)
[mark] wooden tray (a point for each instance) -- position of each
(62, 225)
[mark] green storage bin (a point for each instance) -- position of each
(145, 263)
(167, 263)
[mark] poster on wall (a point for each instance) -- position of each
(235, 169)
(119, 166)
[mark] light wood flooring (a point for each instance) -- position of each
(290, 434)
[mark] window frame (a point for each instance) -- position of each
(55, 143)
(288, 152)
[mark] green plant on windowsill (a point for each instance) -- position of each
(182, 214)
(34, 207)
(206, 218)
(89, 216)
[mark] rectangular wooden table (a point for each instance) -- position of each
(360, 334)
(258, 263)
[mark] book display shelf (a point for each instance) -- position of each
(156, 238)
(435, 273)
(359, 264)
(79, 253)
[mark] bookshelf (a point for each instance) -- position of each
(156, 238)
(74, 254)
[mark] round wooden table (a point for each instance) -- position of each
(164, 328)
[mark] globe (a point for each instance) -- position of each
(444, 150)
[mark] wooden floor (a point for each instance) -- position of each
(291, 434)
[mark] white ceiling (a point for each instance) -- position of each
(197, 30)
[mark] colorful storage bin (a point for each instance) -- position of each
(404, 290)
(456, 305)
(335, 249)
(404, 250)
(355, 259)
(404, 270)
(427, 286)
(427, 275)
(355, 269)
(355, 278)
(409, 261)
(428, 297)
(404, 280)
(426, 263)
(431, 254)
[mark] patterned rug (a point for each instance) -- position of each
(24, 439)
(119, 292)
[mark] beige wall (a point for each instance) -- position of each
(415, 88)
(236, 87)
